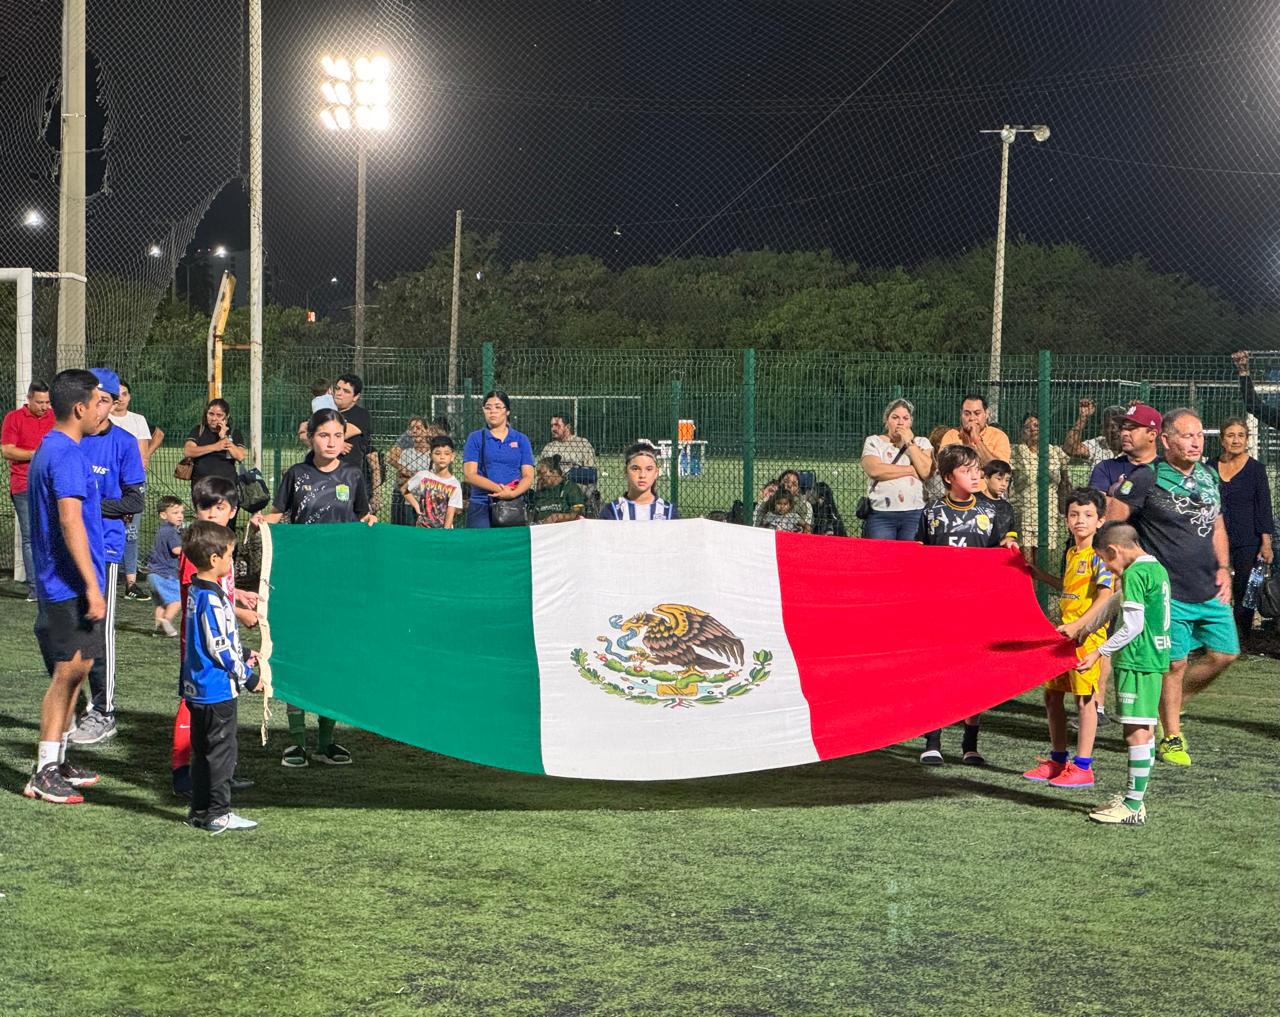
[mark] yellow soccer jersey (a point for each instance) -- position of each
(1083, 575)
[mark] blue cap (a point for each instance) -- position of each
(108, 381)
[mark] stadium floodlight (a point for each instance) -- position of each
(220, 251)
(33, 220)
(357, 95)
(155, 251)
(1008, 135)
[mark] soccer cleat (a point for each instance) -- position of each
(334, 754)
(239, 783)
(931, 757)
(228, 821)
(77, 777)
(1046, 770)
(94, 727)
(1173, 750)
(1073, 776)
(294, 755)
(48, 785)
(1102, 717)
(1118, 813)
(973, 758)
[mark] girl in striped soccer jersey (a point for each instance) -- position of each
(641, 503)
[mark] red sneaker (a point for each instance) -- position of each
(1047, 770)
(1073, 776)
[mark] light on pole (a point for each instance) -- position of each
(333, 281)
(357, 98)
(33, 220)
(1008, 134)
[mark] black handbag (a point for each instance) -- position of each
(863, 508)
(254, 495)
(504, 512)
(1269, 595)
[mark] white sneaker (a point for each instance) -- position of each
(229, 821)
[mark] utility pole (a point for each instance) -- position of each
(453, 313)
(71, 350)
(256, 276)
(358, 316)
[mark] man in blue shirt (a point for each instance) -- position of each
(70, 563)
(117, 466)
(1138, 429)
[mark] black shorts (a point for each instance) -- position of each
(62, 630)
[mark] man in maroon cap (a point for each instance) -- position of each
(1138, 429)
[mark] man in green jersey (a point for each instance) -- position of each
(1139, 649)
(1176, 507)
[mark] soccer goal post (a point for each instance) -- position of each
(23, 281)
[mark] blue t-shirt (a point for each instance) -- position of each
(163, 562)
(1106, 476)
(60, 469)
(496, 459)
(116, 461)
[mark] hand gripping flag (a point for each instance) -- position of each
(688, 649)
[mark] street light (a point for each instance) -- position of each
(33, 220)
(333, 281)
(1008, 135)
(357, 97)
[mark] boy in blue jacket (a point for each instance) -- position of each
(214, 671)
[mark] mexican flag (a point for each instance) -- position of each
(644, 652)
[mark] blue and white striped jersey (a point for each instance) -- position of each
(626, 511)
(213, 667)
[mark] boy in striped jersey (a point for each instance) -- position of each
(641, 503)
(214, 671)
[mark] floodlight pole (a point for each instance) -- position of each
(256, 273)
(453, 312)
(71, 350)
(358, 315)
(1008, 134)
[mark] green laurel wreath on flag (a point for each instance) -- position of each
(643, 686)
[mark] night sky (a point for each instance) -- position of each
(641, 130)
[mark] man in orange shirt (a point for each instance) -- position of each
(986, 439)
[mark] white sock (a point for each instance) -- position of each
(47, 753)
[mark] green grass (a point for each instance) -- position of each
(414, 884)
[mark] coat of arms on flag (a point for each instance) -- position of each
(684, 657)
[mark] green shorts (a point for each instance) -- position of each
(1210, 625)
(1138, 693)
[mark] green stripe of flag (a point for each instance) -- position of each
(424, 636)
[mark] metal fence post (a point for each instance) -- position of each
(748, 430)
(488, 367)
(466, 405)
(676, 391)
(1043, 411)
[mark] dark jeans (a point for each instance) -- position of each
(892, 525)
(213, 758)
(22, 513)
(478, 515)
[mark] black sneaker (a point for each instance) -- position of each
(239, 783)
(77, 776)
(294, 756)
(48, 785)
(334, 755)
(131, 592)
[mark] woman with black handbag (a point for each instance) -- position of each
(497, 461)
(896, 464)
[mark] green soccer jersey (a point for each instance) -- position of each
(1147, 583)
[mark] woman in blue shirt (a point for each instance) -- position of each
(1246, 509)
(497, 461)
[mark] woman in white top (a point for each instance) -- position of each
(896, 464)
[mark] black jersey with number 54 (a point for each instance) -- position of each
(978, 522)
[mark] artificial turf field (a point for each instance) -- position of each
(410, 883)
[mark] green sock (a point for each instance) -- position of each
(325, 738)
(297, 727)
(1140, 757)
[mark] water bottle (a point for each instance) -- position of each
(1256, 577)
